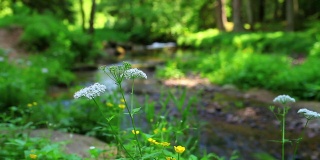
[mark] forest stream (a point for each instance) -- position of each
(231, 120)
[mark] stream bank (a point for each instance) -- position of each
(233, 120)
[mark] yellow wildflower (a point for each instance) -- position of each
(122, 100)
(29, 105)
(153, 141)
(164, 129)
(165, 144)
(155, 131)
(170, 158)
(135, 132)
(179, 149)
(33, 156)
(122, 106)
(109, 104)
(35, 103)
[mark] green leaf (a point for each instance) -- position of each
(136, 110)
(152, 155)
(110, 118)
(19, 142)
(271, 108)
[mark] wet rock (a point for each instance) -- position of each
(76, 144)
(260, 95)
(248, 112)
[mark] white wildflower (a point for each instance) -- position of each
(44, 70)
(92, 147)
(284, 99)
(91, 91)
(134, 73)
(309, 114)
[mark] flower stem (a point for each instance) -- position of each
(131, 117)
(178, 156)
(283, 130)
(113, 131)
(132, 86)
(299, 139)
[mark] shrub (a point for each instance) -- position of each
(25, 81)
(275, 72)
(297, 42)
(51, 37)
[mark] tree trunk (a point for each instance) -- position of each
(283, 11)
(83, 17)
(249, 11)
(91, 21)
(91, 27)
(276, 10)
(261, 10)
(221, 15)
(290, 15)
(236, 7)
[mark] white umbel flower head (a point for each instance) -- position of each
(44, 70)
(134, 73)
(284, 99)
(91, 91)
(309, 114)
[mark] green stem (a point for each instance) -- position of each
(299, 139)
(178, 156)
(283, 130)
(113, 132)
(131, 117)
(132, 86)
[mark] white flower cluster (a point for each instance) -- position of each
(91, 91)
(44, 70)
(134, 73)
(284, 99)
(309, 114)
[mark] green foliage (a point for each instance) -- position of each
(44, 33)
(301, 80)
(70, 117)
(314, 30)
(288, 43)
(263, 156)
(41, 32)
(146, 21)
(25, 81)
(59, 8)
(51, 37)
(107, 35)
(158, 130)
(245, 69)
(170, 71)
(20, 85)
(16, 143)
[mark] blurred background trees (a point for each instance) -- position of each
(145, 21)
(79, 31)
